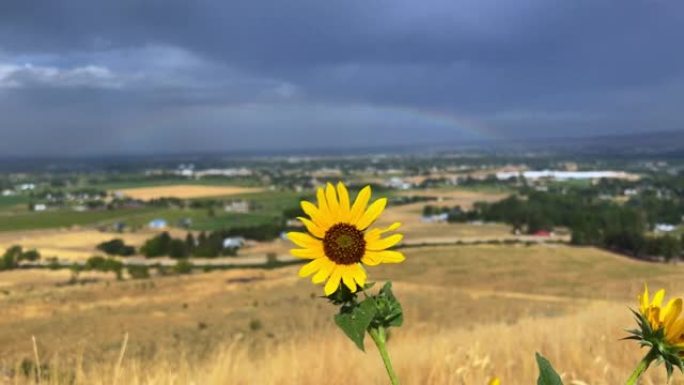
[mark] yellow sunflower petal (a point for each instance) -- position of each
(359, 274)
(348, 278)
(318, 217)
(671, 312)
(334, 280)
(311, 267)
(373, 235)
(307, 253)
(343, 197)
(312, 227)
(371, 258)
(304, 240)
(386, 256)
(494, 381)
(331, 198)
(384, 243)
(323, 274)
(658, 298)
(322, 201)
(643, 299)
(676, 332)
(371, 214)
(360, 204)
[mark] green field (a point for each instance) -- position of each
(270, 206)
(13, 201)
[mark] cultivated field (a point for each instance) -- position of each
(73, 244)
(185, 191)
(471, 312)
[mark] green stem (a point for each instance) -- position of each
(380, 338)
(643, 365)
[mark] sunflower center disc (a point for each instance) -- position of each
(344, 244)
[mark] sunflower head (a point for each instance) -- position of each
(495, 381)
(661, 328)
(339, 241)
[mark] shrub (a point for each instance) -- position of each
(138, 271)
(116, 247)
(183, 267)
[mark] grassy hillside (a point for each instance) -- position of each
(471, 312)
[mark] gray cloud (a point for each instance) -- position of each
(206, 75)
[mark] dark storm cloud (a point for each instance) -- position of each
(165, 75)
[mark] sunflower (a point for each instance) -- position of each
(339, 241)
(665, 318)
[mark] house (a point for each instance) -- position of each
(39, 207)
(241, 207)
(436, 218)
(664, 228)
(398, 184)
(27, 187)
(542, 233)
(233, 242)
(158, 224)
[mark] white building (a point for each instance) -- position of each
(437, 218)
(564, 175)
(398, 183)
(233, 242)
(39, 207)
(664, 228)
(241, 207)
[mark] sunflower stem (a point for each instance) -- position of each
(642, 366)
(379, 336)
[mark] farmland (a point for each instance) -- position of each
(184, 191)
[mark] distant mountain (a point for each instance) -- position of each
(662, 144)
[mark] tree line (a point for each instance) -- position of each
(592, 221)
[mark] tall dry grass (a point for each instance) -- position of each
(584, 347)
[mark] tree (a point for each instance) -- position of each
(116, 247)
(178, 249)
(11, 258)
(30, 255)
(157, 246)
(190, 242)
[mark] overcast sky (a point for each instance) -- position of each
(81, 77)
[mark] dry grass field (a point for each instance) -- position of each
(185, 191)
(471, 312)
(71, 244)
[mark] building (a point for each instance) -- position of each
(566, 175)
(436, 218)
(233, 242)
(39, 207)
(158, 224)
(241, 207)
(398, 184)
(664, 228)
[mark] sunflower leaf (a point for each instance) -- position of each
(355, 320)
(389, 308)
(547, 375)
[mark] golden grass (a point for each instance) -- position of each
(185, 191)
(471, 312)
(74, 244)
(584, 347)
